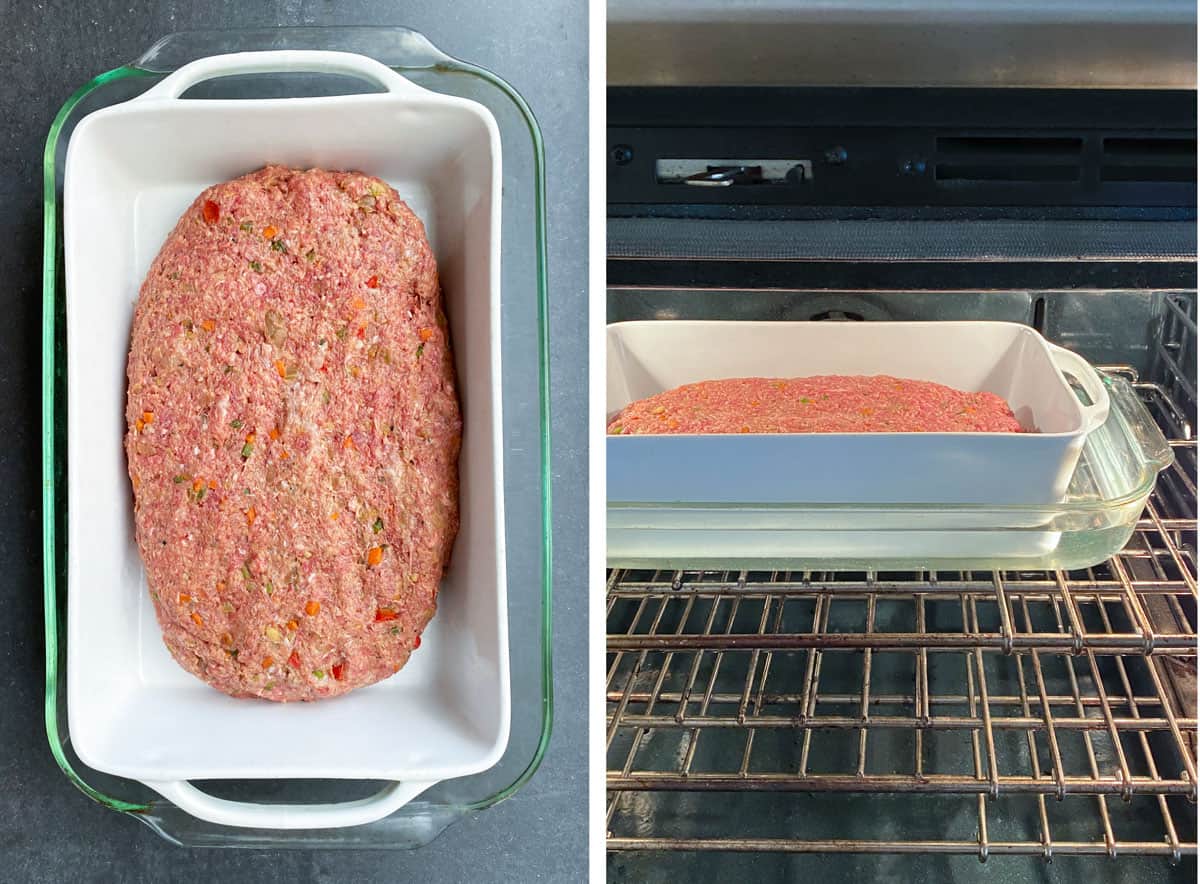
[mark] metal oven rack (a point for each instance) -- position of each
(1034, 713)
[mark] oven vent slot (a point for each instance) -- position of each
(1149, 158)
(1016, 158)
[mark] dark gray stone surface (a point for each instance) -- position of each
(48, 830)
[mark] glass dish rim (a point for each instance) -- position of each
(50, 293)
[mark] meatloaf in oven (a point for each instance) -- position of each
(293, 434)
(824, 404)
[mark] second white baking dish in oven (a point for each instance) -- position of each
(131, 171)
(1008, 359)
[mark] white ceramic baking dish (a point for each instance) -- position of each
(1008, 359)
(131, 170)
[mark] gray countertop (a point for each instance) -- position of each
(48, 830)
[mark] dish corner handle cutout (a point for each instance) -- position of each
(1076, 366)
(248, 815)
(277, 61)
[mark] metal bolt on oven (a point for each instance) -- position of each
(979, 711)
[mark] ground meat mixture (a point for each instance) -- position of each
(823, 404)
(293, 434)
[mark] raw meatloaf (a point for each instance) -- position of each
(293, 434)
(823, 404)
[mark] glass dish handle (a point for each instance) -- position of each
(1139, 424)
(1076, 366)
(280, 61)
(249, 815)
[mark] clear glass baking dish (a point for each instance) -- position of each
(525, 387)
(1113, 480)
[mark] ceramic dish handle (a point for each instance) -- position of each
(282, 60)
(1076, 366)
(248, 815)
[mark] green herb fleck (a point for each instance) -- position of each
(200, 494)
(181, 478)
(804, 400)
(269, 686)
(245, 571)
(228, 369)
(269, 587)
(256, 266)
(320, 342)
(618, 430)
(342, 332)
(277, 245)
(325, 396)
(234, 653)
(395, 630)
(188, 324)
(420, 349)
(247, 449)
(378, 526)
(319, 673)
(246, 226)
(236, 424)
(310, 255)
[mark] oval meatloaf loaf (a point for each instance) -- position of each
(819, 404)
(293, 434)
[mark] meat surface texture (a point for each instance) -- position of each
(293, 434)
(819, 404)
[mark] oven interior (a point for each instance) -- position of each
(843, 723)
